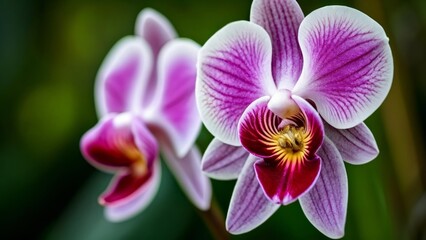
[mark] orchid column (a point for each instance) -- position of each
(145, 101)
(285, 97)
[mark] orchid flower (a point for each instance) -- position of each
(285, 97)
(146, 104)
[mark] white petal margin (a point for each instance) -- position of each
(281, 19)
(326, 203)
(356, 145)
(234, 69)
(126, 68)
(249, 207)
(154, 28)
(174, 108)
(187, 172)
(222, 161)
(121, 212)
(157, 31)
(348, 66)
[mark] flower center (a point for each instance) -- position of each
(290, 144)
(139, 167)
(291, 138)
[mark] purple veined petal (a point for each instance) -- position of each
(222, 161)
(114, 143)
(326, 203)
(281, 19)
(173, 108)
(356, 145)
(157, 31)
(249, 207)
(127, 67)
(347, 67)
(290, 165)
(141, 199)
(234, 69)
(187, 171)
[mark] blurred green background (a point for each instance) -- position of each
(50, 52)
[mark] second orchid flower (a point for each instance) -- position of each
(146, 104)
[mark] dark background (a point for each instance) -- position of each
(50, 52)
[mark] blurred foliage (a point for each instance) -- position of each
(50, 52)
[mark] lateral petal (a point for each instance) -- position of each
(356, 145)
(325, 204)
(234, 69)
(348, 66)
(125, 69)
(173, 108)
(249, 207)
(281, 19)
(222, 161)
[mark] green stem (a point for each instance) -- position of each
(215, 221)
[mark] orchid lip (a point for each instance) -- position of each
(121, 144)
(289, 165)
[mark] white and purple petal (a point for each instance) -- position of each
(356, 145)
(127, 67)
(187, 171)
(281, 19)
(326, 203)
(173, 108)
(222, 161)
(347, 67)
(138, 202)
(249, 207)
(234, 69)
(156, 30)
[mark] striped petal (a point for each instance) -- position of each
(356, 145)
(326, 203)
(126, 68)
(249, 207)
(222, 161)
(156, 30)
(288, 147)
(173, 108)
(281, 19)
(347, 67)
(233, 70)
